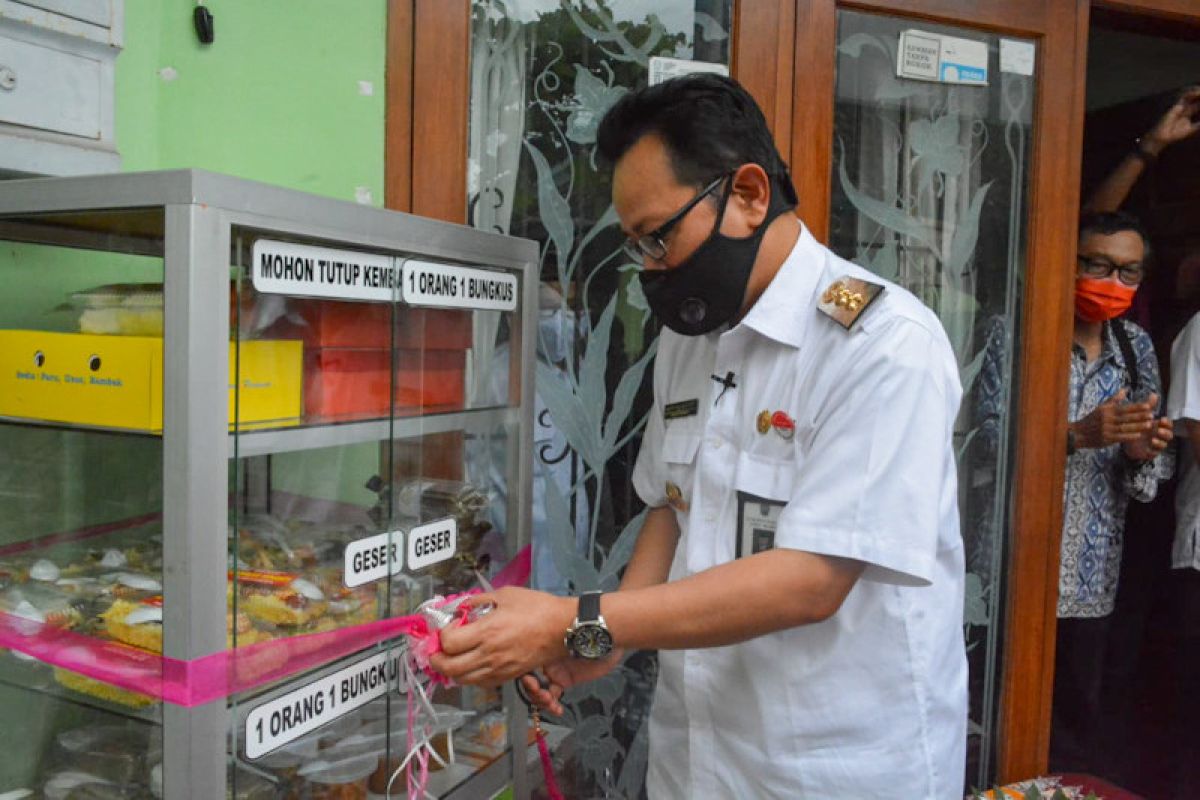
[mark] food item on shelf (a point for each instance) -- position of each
(279, 598)
(483, 739)
(104, 691)
(44, 570)
(39, 602)
(254, 785)
(132, 584)
(427, 499)
(138, 624)
(125, 309)
(339, 774)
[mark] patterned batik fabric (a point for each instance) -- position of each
(1101, 481)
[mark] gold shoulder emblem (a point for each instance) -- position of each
(845, 300)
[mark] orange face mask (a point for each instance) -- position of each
(1097, 300)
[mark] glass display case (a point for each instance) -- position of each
(242, 430)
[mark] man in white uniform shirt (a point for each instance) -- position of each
(801, 567)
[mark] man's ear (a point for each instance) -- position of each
(751, 193)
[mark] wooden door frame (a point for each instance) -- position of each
(1060, 28)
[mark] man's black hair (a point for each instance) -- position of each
(1106, 223)
(709, 124)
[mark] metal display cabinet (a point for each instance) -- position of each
(147, 501)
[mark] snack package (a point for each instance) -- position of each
(42, 602)
(136, 623)
(279, 598)
(124, 309)
(104, 691)
(425, 499)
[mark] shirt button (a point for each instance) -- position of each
(715, 443)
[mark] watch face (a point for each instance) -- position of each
(591, 640)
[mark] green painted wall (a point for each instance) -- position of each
(290, 93)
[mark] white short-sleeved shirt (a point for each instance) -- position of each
(1183, 402)
(871, 703)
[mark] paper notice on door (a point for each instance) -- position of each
(925, 56)
(1016, 57)
(663, 68)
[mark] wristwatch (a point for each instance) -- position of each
(588, 636)
(1070, 442)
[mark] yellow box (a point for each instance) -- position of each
(116, 381)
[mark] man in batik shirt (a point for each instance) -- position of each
(1115, 445)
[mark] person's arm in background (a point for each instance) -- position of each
(1180, 122)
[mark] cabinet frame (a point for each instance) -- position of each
(200, 212)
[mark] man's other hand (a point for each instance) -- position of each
(1152, 442)
(564, 674)
(1115, 421)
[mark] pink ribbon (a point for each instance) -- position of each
(202, 680)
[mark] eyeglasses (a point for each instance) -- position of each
(1129, 274)
(651, 245)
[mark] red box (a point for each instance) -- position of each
(332, 323)
(346, 382)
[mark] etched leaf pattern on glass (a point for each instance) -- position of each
(574, 59)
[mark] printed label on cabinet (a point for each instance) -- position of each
(290, 716)
(367, 559)
(425, 283)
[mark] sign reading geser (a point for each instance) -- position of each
(368, 559)
(307, 271)
(432, 542)
(425, 283)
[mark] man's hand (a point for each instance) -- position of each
(1115, 421)
(1177, 124)
(564, 674)
(1152, 442)
(524, 631)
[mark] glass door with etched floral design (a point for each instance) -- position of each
(932, 131)
(543, 73)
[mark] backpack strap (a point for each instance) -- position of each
(1126, 347)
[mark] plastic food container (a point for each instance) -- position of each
(339, 775)
(112, 753)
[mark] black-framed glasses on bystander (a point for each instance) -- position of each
(1129, 274)
(652, 244)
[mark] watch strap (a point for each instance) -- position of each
(589, 607)
(1144, 154)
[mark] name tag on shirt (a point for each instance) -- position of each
(685, 408)
(757, 521)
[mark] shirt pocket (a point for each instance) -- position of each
(679, 458)
(768, 478)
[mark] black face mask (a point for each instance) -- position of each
(706, 290)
